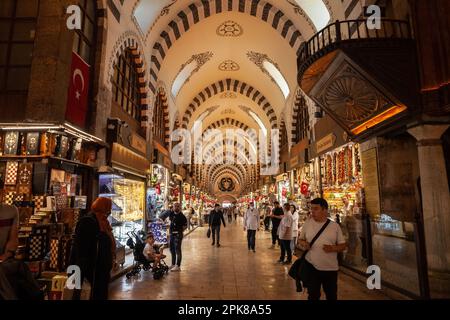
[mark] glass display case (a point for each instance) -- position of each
(128, 198)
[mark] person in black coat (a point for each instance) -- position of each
(94, 248)
(215, 217)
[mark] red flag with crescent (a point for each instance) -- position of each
(77, 97)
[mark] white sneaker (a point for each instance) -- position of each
(172, 266)
(176, 268)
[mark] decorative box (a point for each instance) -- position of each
(11, 143)
(32, 143)
(12, 168)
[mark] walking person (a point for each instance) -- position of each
(267, 211)
(285, 235)
(323, 253)
(178, 223)
(230, 215)
(276, 216)
(235, 212)
(215, 217)
(295, 218)
(251, 224)
(94, 248)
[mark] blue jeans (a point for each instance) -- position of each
(286, 249)
(175, 248)
(251, 239)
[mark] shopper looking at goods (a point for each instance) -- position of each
(215, 217)
(94, 248)
(285, 235)
(178, 223)
(277, 215)
(322, 256)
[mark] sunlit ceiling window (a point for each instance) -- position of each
(148, 11)
(316, 11)
(259, 122)
(181, 78)
(271, 69)
(192, 66)
(277, 77)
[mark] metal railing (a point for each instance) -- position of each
(350, 31)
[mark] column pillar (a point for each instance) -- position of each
(435, 203)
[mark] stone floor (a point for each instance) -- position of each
(230, 272)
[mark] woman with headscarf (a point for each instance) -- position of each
(94, 248)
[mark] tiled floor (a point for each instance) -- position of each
(230, 272)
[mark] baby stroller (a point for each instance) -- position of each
(136, 242)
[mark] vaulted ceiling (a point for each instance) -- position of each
(228, 64)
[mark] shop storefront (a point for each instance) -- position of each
(283, 188)
(124, 180)
(157, 192)
(47, 172)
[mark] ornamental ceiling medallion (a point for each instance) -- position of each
(229, 65)
(229, 29)
(226, 185)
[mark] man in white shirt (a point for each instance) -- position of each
(323, 254)
(251, 224)
(285, 235)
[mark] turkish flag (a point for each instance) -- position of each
(304, 188)
(77, 97)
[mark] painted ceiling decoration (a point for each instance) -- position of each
(229, 65)
(200, 10)
(270, 68)
(146, 13)
(229, 29)
(188, 69)
(228, 111)
(228, 95)
(226, 86)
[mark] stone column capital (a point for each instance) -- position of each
(428, 132)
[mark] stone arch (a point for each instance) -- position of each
(203, 9)
(129, 40)
(235, 86)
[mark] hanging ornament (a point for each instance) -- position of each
(304, 188)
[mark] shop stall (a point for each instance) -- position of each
(157, 192)
(47, 172)
(283, 188)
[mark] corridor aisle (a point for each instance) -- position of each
(230, 272)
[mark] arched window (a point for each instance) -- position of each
(17, 32)
(125, 85)
(84, 39)
(158, 117)
(302, 126)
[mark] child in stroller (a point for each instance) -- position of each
(147, 255)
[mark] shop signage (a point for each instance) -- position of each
(325, 143)
(370, 180)
(138, 143)
(129, 159)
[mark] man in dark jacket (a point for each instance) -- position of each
(178, 223)
(215, 217)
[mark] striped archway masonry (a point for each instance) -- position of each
(230, 85)
(165, 106)
(248, 171)
(223, 172)
(238, 170)
(129, 40)
(295, 111)
(203, 9)
(219, 171)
